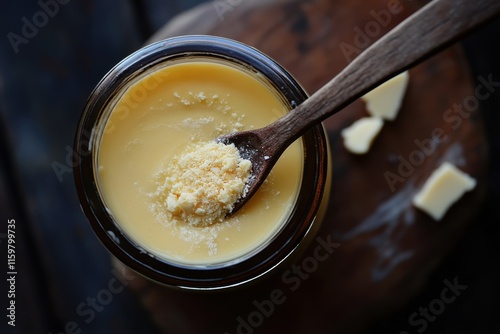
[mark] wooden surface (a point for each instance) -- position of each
(61, 264)
(388, 249)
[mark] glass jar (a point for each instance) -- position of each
(284, 244)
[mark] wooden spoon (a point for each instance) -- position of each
(429, 30)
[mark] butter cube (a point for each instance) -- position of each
(385, 100)
(445, 186)
(359, 136)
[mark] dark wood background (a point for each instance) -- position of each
(61, 264)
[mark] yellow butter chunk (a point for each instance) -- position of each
(444, 187)
(359, 136)
(203, 184)
(385, 100)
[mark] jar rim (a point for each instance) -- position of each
(301, 218)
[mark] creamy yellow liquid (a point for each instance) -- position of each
(154, 120)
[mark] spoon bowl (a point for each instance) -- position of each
(253, 146)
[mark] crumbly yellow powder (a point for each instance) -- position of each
(203, 184)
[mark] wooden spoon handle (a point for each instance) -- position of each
(427, 31)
